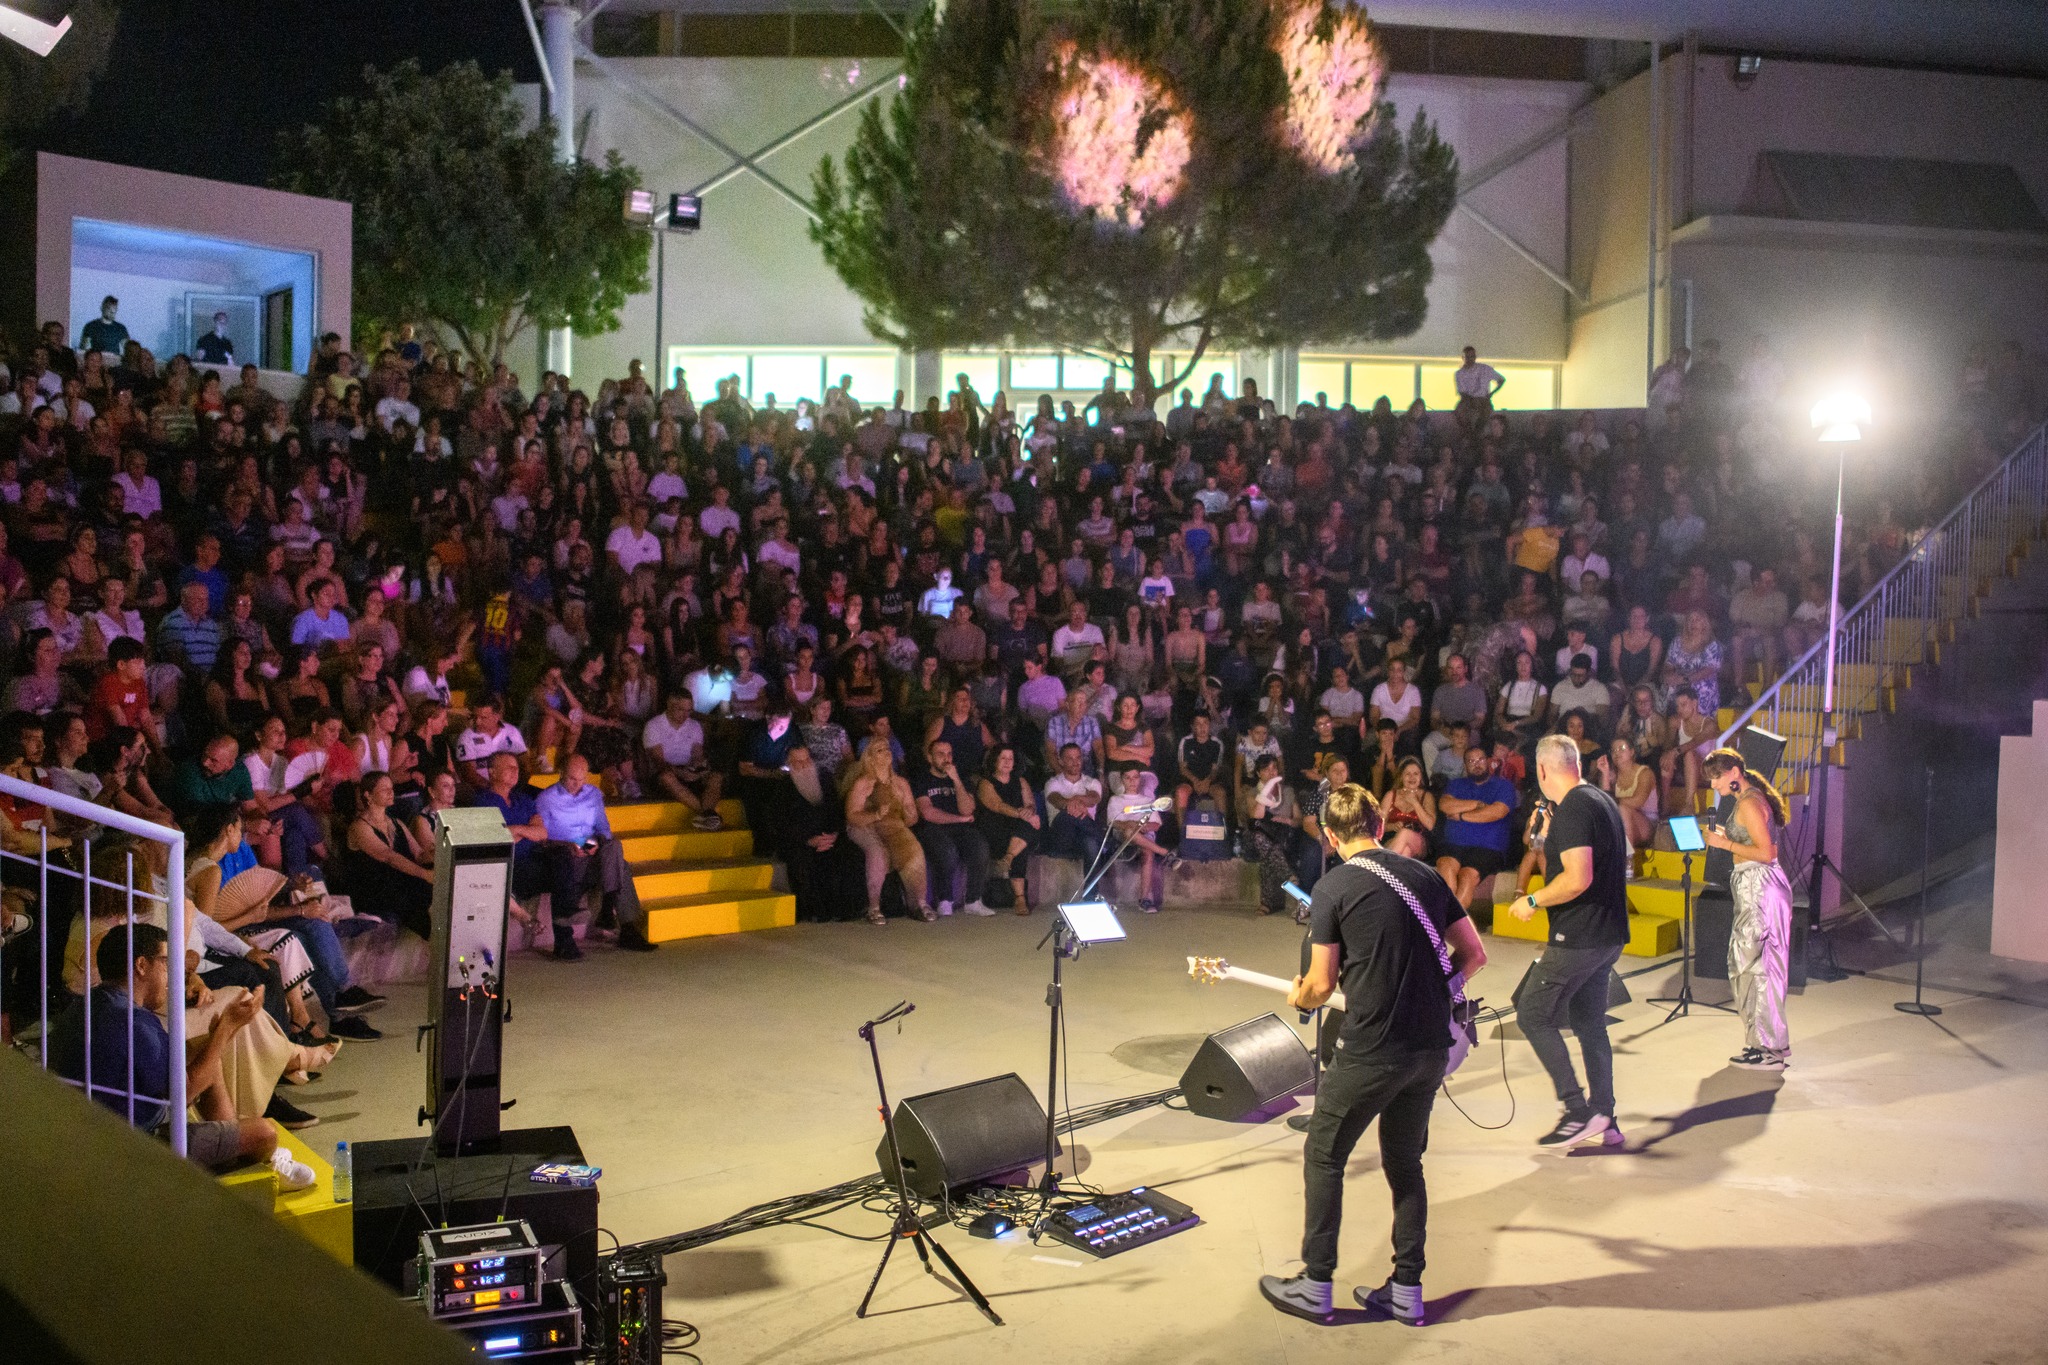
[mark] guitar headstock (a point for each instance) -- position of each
(1209, 970)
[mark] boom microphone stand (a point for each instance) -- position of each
(906, 1223)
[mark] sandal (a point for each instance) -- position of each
(1023, 909)
(875, 915)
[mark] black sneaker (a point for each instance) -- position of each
(358, 1030)
(285, 1114)
(633, 941)
(356, 998)
(567, 951)
(1574, 1129)
(1758, 1059)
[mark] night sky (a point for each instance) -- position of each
(203, 89)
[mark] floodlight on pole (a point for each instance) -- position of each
(32, 33)
(1839, 419)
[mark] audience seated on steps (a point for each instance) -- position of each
(456, 529)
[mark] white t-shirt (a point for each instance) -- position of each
(144, 497)
(1060, 788)
(714, 521)
(474, 746)
(1345, 705)
(1564, 657)
(1396, 711)
(777, 552)
(420, 683)
(1076, 644)
(678, 745)
(708, 690)
(1475, 380)
(633, 550)
(665, 485)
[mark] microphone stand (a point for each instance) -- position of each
(905, 1223)
(1682, 1003)
(1916, 1005)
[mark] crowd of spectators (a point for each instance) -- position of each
(921, 646)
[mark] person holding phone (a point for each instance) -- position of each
(580, 853)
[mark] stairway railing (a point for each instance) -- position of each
(1898, 621)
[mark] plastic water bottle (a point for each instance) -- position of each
(344, 1174)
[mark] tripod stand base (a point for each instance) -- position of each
(1916, 1007)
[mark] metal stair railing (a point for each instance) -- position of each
(1899, 621)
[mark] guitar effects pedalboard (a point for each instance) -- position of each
(1115, 1223)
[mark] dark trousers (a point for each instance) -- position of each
(951, 849)
(1068, 837)
(1569, 985)
(570, 874)
(1398, 1088)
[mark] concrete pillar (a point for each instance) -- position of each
(927, 381)
(558, 39)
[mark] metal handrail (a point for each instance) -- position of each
(1894, 622)
(174, 925)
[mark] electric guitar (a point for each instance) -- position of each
(1464, 1017)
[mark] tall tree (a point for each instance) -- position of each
(1134, 176)
(464, 220)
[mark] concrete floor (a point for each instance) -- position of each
(1887, 1199)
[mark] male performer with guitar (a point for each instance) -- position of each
(1397, 937)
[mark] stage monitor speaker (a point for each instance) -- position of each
(1245, 1068)
(966, 1135)
(1761, 750)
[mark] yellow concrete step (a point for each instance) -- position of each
(1648, 935)
(670, 878)
(658, 817)
(311, 1212)
(687, 845)
(717, 912)
(1654, 896)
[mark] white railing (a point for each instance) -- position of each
(35, 872)
(1899, 620)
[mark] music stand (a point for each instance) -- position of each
(1685, 833)
(1075, 925)
(904, 1221)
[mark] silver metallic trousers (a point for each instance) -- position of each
(1758, 946)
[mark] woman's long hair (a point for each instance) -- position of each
(1728, 760)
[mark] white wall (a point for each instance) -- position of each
(752, 277)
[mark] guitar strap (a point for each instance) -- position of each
(1436, 940)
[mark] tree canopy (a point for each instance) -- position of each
(1128, 176)
(464, 220)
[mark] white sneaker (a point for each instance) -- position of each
(945, 909)
(975, 908)
(292, 1174)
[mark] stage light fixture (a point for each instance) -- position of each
(639, 207)
(685, 213)
(1841, 417)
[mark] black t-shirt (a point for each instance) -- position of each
(941, 791)
(1397, 996)
(1589, 818)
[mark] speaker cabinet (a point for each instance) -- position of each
(1761, 750)
(1713, 917)
(966, 1135)
(1245, 1068)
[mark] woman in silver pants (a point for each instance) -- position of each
(1761, 935)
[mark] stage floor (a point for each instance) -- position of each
(1886, 1199)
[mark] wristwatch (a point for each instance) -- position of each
(1531, 898)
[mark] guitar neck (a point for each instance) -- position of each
(1274, 983)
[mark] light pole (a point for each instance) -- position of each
(1840, 421)
(684, 213)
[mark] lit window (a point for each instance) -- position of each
(1034, 374)
(1324, 376)
(703, 368)
(789, 378)
(1440, 387)
(873, 375)
(1082, 372)
(1372, 380)
(980, 371)
(1528, 387)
